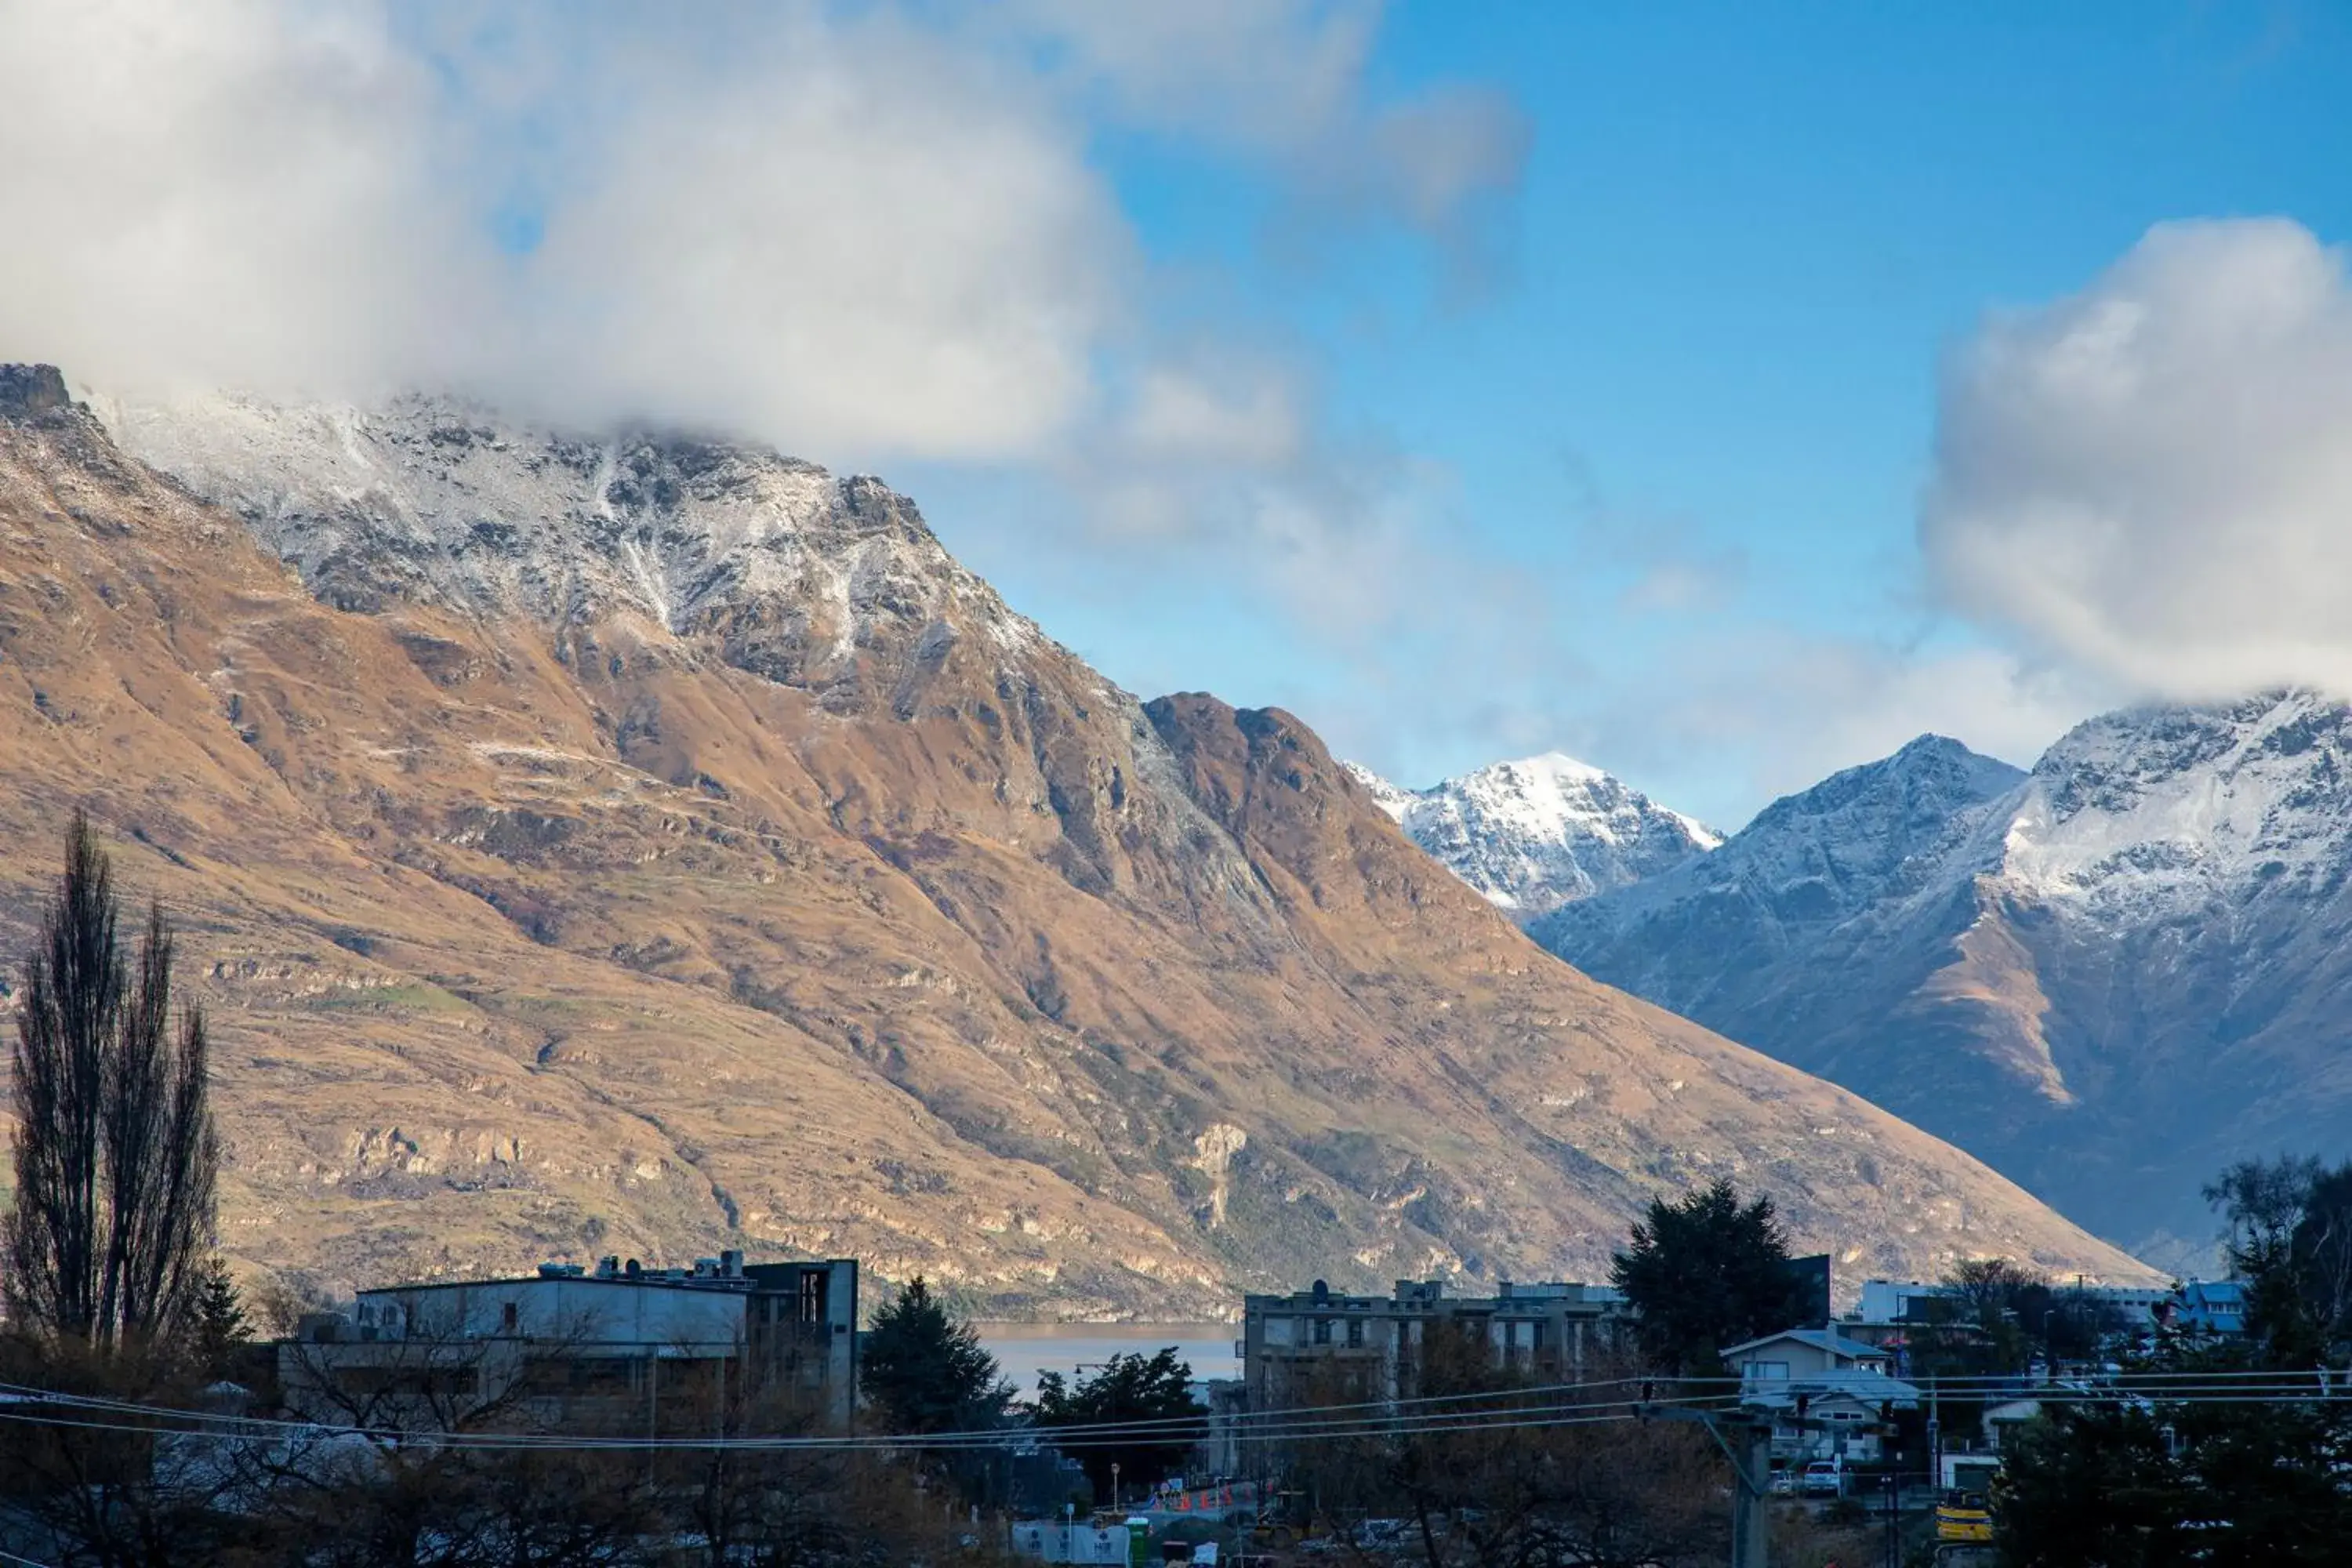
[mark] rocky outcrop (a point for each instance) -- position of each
(29, 391)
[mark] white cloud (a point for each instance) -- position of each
(1723, 723)
(846, 235)
(2152, 480)
(1288, 80)
(865, 233)
(234, 190)
(1247, 414)
(851, 236)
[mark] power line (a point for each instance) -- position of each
(1516, 1418)
(483, 1442)
(1298, 1424)
(1274, 1422)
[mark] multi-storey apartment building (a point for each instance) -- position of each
(1316, 1346)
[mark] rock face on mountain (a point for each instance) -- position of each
(1535, 833)
(645, 844)
(2110, 978)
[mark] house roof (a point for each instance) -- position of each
(1827, 1340)
(2215, 1292)
(1871, 1388)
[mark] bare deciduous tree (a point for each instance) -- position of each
(1515, 1475)
(115, 1153)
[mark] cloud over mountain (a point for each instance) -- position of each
(870, 232)
(2151, 480)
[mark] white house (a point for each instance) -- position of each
(1828, 1395)
(1802, 1354)
(2002, 1419)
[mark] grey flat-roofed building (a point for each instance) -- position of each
(616, 1339)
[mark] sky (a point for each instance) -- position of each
(1721, 394)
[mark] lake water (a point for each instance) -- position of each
(1024, 1350)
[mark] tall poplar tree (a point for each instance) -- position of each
(115, 1153)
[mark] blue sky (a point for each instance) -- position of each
(1724, 394)
(1709, 338)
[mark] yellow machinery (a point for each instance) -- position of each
(1963, 1516)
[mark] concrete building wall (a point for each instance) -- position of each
(672, 1321)
(577, 1341)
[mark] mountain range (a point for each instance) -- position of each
(634, 842)
(2109, 977)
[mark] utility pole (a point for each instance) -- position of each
(1935, 1441)
(1751, 1503)
(652, 1409)
(1746, 1440)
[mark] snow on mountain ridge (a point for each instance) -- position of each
(1537, 832)
(2176, 807)
(791, 567)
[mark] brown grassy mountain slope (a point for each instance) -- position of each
(707, 859)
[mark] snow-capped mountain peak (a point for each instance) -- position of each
(1537, 832)
(2183, 808)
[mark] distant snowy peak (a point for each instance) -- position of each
(1893, 800)
(1540, 832)
(1862, 842)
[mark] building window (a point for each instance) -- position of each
(1322, 1331)
(1767, 1372)
(1355, 1334)
(507, 1315)
(812, 1296)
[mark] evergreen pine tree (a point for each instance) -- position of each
(1154, 1391)
(220, 1328)
(923, 1369)
(1707, 1273)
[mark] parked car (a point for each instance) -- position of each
(1822, 1478)
(1784, 1483)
